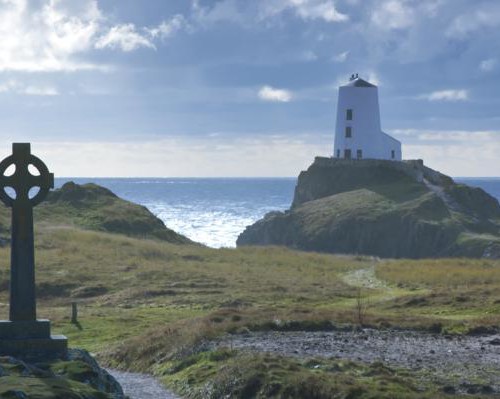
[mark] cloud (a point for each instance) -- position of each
(309, 56)
(13, 86)
(401, 31)
(8, 86)
(225, 10)
(393, 14)
(342, 57)
(488, 65)
(268, 93)
(267, 154)
(372, 77)
(168, 28)
(449, 136)
(124, 37)
(43, 37)
(56, 35)
(41, 91)
(454, 152)
(127, 37)
(446, 95)
(305, 9)
(181, 156)
(483, 17)
(245, 13)
(311, 9)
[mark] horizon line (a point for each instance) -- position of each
(176, 177)
(227, 177)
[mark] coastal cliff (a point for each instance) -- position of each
(382, 208)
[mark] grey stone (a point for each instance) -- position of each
(53, 346)
(24, 335)
(24, 329)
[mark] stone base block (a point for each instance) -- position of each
(51, 347)
(24, 329)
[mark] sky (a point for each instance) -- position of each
(180, 88)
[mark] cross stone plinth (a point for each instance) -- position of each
(23, 334)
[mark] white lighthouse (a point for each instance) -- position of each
(358, 134)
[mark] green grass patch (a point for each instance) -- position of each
(226, 373)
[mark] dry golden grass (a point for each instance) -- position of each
(443, 273)
(147, 304)
(126, 286)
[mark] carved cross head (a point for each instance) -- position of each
(22, 180)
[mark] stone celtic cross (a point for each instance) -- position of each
(22, 278)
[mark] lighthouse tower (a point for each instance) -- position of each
(358, 134)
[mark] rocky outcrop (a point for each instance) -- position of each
(383, 208)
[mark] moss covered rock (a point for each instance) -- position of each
(76, 377)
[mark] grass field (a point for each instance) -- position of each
(463, 292)
(145, 304)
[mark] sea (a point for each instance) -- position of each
(214, 211)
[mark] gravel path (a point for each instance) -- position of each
(466, 358)
(365, 278)
(141, 386)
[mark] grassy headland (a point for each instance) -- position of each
(382, 208)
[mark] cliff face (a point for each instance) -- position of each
(382, 208)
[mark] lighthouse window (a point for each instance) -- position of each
(338, 153)
(349, 115)
(347, 154)
(393, 154)
(359, 154)
(348, 131)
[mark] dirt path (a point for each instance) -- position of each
(439, 191)
(365, 278)
(141, 386)
(470, 359)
